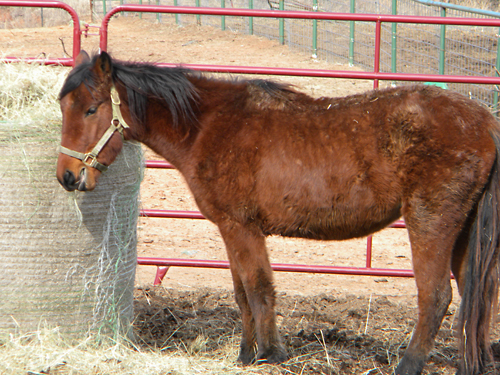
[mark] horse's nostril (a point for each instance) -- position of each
(69, 180)
(82, 180)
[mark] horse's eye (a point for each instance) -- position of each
(91, 111)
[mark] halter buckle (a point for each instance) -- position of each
(93, 161)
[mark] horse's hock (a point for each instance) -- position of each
(68, 260)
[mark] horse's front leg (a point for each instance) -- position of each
(248, 344)
(254, 291)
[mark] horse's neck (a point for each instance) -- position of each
(159, 134)
(175, 143)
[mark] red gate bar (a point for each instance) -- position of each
(161, 164)
(344, 74)
(174, 214)
(378, 19)
(222, 264)
(49, 4)
(170, 214)
(163, 264)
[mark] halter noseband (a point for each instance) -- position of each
(90, 158)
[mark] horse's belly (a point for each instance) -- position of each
(326, 195)
(331, 224)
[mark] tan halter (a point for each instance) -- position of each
(90, 158)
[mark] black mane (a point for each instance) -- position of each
(170, 86)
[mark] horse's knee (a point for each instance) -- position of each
(261, 288)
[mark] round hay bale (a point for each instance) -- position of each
(68, 259)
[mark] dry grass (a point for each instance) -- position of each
(323, 334)
(47, 352)
(30, 86)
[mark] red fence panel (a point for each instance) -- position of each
(163, 264)
(375, 75)
(49, 4)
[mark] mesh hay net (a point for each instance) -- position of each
(67, 259)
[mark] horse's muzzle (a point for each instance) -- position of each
(71, 183)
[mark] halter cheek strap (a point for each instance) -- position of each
(117, 124)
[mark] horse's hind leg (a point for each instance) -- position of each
(459, 258)
(254, 290)
(432, 240)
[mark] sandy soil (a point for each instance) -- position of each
(364, 322)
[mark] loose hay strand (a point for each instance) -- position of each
(368, 314)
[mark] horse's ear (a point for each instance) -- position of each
(82, 57)
(103, 67)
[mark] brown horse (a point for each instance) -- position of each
(261, 158)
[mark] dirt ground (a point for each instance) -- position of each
(331, 324)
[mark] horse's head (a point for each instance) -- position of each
(92, 125)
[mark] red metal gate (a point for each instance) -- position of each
(49, 4)
(162, 263)
(374, 75)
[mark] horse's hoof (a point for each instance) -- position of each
(279, 355)
(246, 357)
(409, 367)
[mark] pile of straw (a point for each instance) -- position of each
(46, 352)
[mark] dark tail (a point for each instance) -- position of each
(480, 295)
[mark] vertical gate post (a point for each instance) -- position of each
(176, 3)
(497, 66)
(250, 19)
(442, 43)
(376, 63)
(351, 34)
(315, 31)
(223, 18)
(282, 23)
(198, 17)
(394, 30)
